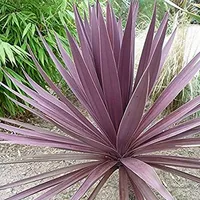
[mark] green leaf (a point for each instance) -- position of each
(61, 18)
(15, 75)
(33, 29)
(41, 55)
(7, 21)
(2, 53)
(8, 81)
(17, 51)
(1, 75)
(10, 106)
(26, 29)
(71, 14)
(2, 18)
(15, 19)
(20, 49)
(1, 112)
(9, 52)
(22, 17)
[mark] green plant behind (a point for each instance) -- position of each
(18, 22)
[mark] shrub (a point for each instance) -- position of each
(18, 22)
(8, 53)
(125, 135)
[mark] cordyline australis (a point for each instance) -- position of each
(101, 75)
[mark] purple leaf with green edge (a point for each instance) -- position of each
(126, 58)
(95, 175)
(177, 161)
(147, 174)
(109, 75)
(101, 183)
(178, 173)
(123, 184)
(133, 114)
(141, 185)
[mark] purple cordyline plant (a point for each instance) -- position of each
(125, 133)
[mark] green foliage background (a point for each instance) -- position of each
(18, 22)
